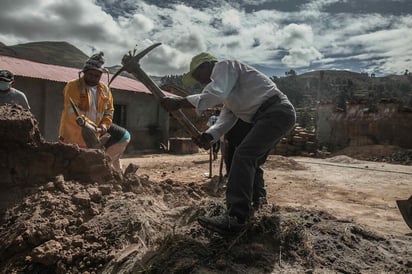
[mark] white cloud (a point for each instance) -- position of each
(232, 18)
(298, 40)
(301, 57)
(264, 37)
(319, 5)
(394, 46)
(140, 22)
(295, 35)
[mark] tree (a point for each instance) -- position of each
(290, 72)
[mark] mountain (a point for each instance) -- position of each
(55, 53)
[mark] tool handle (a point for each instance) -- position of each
(158, 93)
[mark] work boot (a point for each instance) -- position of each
(222, 224)
(259, 203)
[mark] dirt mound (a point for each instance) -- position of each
(343, 159)
(281, 162)
(68, 227)
(286, 240)
(378, 153)
(142, 226)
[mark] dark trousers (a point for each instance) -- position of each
(232, 140)
(245, 179)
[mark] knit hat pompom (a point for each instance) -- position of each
(95, 62)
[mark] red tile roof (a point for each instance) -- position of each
(26, 68)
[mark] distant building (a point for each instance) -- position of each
(359, 125)
(135, 106)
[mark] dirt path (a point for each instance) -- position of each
(362, 191)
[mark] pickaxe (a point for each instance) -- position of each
(131, 64)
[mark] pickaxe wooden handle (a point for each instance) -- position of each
(131, 64)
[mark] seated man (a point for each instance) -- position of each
(93, 99)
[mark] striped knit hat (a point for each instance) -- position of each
(95, 62)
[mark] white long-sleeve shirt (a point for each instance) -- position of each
(240, 88)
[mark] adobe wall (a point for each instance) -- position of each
(358, 125)
(26, 158)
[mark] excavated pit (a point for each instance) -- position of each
(69, 215)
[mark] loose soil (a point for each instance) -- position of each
(332, 215)
(363, 191)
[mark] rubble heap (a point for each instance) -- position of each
(403, 157)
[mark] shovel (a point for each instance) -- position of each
(88, 129)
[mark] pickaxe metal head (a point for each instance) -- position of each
(129, 61)
(405, 207)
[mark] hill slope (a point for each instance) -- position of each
(55, 53)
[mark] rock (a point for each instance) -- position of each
(78, 241)
(49, 186)
(95, 194)
(105, 189)
(47, 253)
(60, 184)
(82, 199)
(131, 169)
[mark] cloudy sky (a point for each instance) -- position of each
(272, 35)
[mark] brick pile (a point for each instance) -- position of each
(299, 141)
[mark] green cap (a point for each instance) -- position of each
(197, 60)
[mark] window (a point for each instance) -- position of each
(119, 116)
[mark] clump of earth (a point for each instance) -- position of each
(61, 222)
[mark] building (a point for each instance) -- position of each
(135, 107)
(360, 125)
